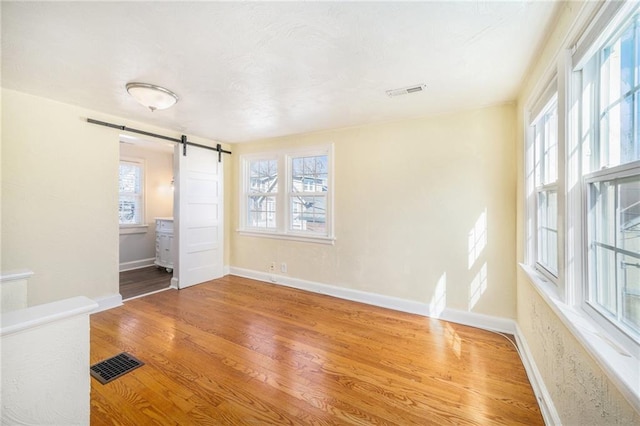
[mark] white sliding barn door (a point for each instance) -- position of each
(199, 216)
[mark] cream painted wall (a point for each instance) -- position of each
(59, 197)
(158, 201)
(580, 390)
(407, 196)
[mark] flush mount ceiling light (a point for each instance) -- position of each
(152, 96)
(406, 90)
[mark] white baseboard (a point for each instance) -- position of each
(472, 319)
(548, 409)
(137, 264)
(107, 302)
(485, 322)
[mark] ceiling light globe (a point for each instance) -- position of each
(152, 96)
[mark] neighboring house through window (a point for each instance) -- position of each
(288, 194)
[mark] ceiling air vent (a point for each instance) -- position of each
(406, 90)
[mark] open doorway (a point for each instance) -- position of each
(146, 210)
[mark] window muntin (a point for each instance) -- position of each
(288, 194)
(131, 192)
(545, 131)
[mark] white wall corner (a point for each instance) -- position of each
(107, 302)
(548, 409)
(226, 270)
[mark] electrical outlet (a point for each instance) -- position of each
(283, 267)
(272, 267)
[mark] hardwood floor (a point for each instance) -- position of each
(240, 352)
(143, 281)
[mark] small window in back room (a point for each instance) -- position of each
(131, 193)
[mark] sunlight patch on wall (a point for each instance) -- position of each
(439, 299)
(478, 286)
(478, 238)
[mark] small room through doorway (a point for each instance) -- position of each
(146, 199)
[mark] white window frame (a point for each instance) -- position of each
(142, 227)
(618, 356)
(283, 194)
(592, 172)
(629, 339)
(546, 186)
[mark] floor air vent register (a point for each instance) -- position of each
(114, 367)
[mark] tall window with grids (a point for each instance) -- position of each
(131, 192)
(613, 180)
(545, 130)
(308, 190)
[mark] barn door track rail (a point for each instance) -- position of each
(183, 139)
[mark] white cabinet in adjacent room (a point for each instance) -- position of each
(164, 242)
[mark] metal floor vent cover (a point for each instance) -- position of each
(114, 367)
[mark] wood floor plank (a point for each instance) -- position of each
(237, 351)
(143, 281)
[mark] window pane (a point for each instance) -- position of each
(538, 146)
(546, 146)
(619, 102)
(603, 277)
(617, 135)
(130, 178)
(629, 237)
(614, 241)
(629, 276)
(602, 212)
(629, 208)
(263, 176)
(129, 210)
(261, 212)
(308, 213)
(551, 146)
(602, 233)
(548, 230)
(309, 174)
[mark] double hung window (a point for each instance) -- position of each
(288, 194)
(612, 180)
(131, 193)
(582, 186)
(262, 193)
(545, 134)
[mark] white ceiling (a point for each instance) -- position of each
(251, 70)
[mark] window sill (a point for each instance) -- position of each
(291, 237)
(133, 229)
(622, 367)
